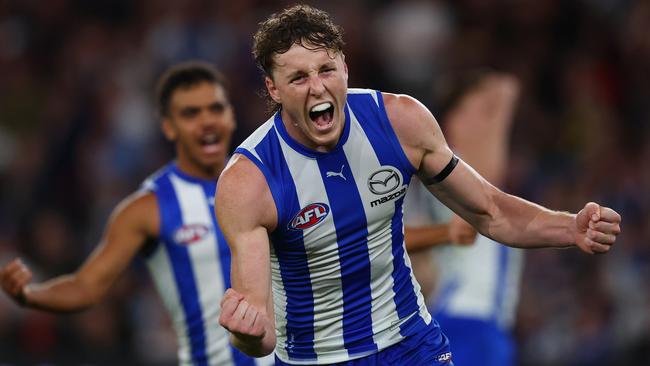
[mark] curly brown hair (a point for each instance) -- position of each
(301, 24)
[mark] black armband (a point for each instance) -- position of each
(443, 173)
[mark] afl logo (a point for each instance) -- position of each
(191, 233)
(384, 180)
(309, 216)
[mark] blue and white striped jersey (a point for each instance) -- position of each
(190, 266)
(342, 281)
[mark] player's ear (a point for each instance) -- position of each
(273, 91)
(345, 66)
(168, 129)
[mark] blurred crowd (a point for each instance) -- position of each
(78, 131)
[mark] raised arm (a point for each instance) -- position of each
(246, 214)
(500, 216)
(131, 223)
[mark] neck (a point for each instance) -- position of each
(210, 172)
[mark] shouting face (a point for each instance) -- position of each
(200, 122)
(311, 85)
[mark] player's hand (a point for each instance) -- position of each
(14, 277)
(597, 227)
(241, 318)
(461, 232)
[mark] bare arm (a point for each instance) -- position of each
(457, 231)
(500, 216)
(131, 223)
(424, 237)
(246, 214)
(478, 128)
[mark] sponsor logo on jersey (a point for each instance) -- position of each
(309, 216)
(191, 233)
(386, 182)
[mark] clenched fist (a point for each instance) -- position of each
(597, 228)
(14, 277)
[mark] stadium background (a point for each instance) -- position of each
(78, 132)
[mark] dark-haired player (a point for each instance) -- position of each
(170, 221)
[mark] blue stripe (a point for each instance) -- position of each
(290, 251)
(352, 230)
(276, 189)
(375, 123)
(405, 295)
(183, 273)
(389, 152)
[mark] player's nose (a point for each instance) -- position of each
(316, 86)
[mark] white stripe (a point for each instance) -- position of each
(506, 315)
(476, 278)
(206, 267)
(380, 251)
(328, 304)
(424, 313)
(279, 304)
(256, 137)
(162, 275)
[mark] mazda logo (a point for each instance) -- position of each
(384, 181)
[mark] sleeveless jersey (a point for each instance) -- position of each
(480, 281)
(190, 266)
(342, 281)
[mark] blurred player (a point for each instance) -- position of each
(311, 206)
(478, 286)
(169, 221)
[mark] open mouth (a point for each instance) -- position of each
(210, 143)
(322, 114)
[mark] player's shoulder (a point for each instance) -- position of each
(140, 210)
(403, 106)
(152, 182)
(410, 118)
(242, 190)
(241, 171)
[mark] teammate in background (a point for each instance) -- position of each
(311, 206)
(169, 221)
(478, 285)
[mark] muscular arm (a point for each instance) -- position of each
(478, 128)
(131, 223)
(246, 214)
(500, 216)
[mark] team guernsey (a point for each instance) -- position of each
(342, 281)
(190, 266)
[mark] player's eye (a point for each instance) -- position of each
(298, 79)
(217, 107)
(189, 112)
